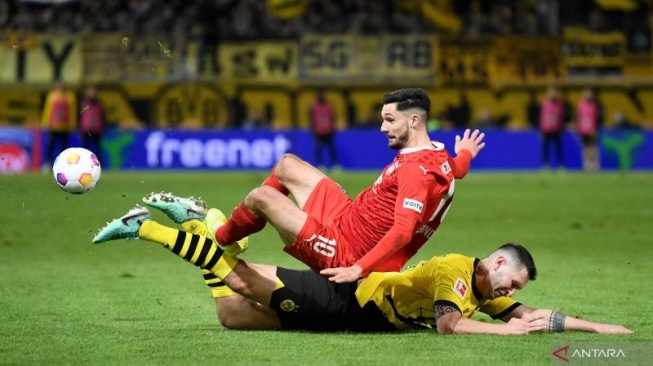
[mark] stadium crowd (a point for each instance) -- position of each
(208, 23)
(251, 19)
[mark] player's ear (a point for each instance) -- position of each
(414, 120)
(500, 261)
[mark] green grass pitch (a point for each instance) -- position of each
(64, 300)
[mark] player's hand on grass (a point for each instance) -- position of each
(471, 141)
(537, 314)
(538, 320)
(343, 274)
(520, 326)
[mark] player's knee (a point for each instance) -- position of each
(258, 199)
(238, 313)
(286, 165)
(235, 321)
(225, 319)
(229, 320)
(228, 312)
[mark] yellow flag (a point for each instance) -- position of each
(622, 5)
(286, 9)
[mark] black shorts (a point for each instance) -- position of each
(309, 301)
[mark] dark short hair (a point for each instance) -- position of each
(523, 256)
(409, 98)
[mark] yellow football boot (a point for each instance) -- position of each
(214, 219)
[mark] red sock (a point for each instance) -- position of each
(240, 224)
(273, 181)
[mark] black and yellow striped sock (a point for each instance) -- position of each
(218, 288)
(196, 249)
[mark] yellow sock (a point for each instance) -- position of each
(197, 249)
(152, 231)
(218, 288)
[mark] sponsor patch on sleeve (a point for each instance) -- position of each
(414, 205)
(445, 167)
(460, 288)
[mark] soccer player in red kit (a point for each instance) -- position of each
(385, 225)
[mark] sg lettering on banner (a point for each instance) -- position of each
(387, 58)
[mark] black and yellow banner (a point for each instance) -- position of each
(259, 61)
(464, 61)
(368, 59)
(519, 59)
(585, 50)
(112, 57)
(37, 59)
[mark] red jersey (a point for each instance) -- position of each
(551, 116)
(588, 117)
(322, 118)
(416, 188)
(91, 119)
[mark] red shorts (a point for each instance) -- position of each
(320, 244)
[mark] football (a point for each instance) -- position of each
(76, 170)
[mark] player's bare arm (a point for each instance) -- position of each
(397, 237)
(451, 321)
(559, 322)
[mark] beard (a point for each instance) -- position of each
(399, 142)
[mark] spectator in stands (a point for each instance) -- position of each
(460, 115)
(255, 121)
(92, 121)
(209, 35)
(547, 17)
(371, 18)
(5, 11)
(589, 120)
(246, 21)
(533, 110)
(551, 126)
(333, 18)
(249, 19)
(323, 126)
(372, 119)
(485, 120)
(59, 120)
(621, 122)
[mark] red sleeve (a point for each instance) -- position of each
(397, 237)
(460, 164)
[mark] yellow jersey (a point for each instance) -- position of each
(407, 298)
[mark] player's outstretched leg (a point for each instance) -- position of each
(193, 248)
(214, 219)
(178, 209)
(184, 211)
(190, 213)
(124, 227)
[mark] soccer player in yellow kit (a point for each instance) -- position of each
(441, 293)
